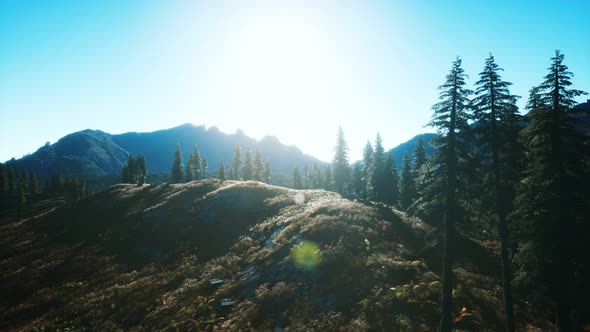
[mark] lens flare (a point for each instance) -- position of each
(307, 255)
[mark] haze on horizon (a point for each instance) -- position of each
(294, 70)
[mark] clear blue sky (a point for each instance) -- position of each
(293, 69)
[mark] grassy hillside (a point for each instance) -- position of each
(233, 255)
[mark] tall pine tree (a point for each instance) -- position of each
(451, 120)
(552, 198)
(407, 184)
(496, 115)
(341, 172)
(176, 173)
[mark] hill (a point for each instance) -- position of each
(94, 153)
(232, 255)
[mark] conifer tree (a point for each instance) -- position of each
(377, 185)
(407, 184)
(221, 173)
(197, 164)
(341, 170)
(176, 173)
(204, 168)
(497, 115)
(236, 163)
(189, 173)
(141, 168)
(419, 155)
(258, 166)
(366, 174)
(450, 118)
(230, 174)
(357, 181)
(552, 198)
(391, 181)
(248, 168)
(266, 178)
(297, 183)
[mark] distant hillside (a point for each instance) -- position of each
(232, 256)
(93, 152)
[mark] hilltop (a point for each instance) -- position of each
(233, 255)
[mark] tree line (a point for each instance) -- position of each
(523, 177)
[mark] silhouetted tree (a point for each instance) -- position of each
(497, 117)
(297, 183)
(10, 178)
(141, 169)
(419, 155)
(341, 171)
(236, 163)
(258, 166)
(377, 185)
(357, 181)
(248, 167)
(552, 199)
(176, 173)
(204, 168)
(450, 118)
(407, 184)
(366, 174)
(390, 192)
(20, 208)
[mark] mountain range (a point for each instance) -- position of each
(94, 152)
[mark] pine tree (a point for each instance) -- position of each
(129, 173)
(176, 173)
(248, 168)
(407, 184)
(197, 164)
(450, 118)
(552, 198)
(297, 183)
(258, 166)
(236, 163)
(377, 186)
(266, 178)
(204, 168)
(390, 192)
(366, 174)
(221, 174)
(341, 170)
(141, 168)
(497, 115)
(419, 155)
(357, 181)
(189, 173)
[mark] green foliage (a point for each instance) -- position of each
(176, 173)
(341, 169)
(248, 167)
(236, 164)
(221, 173)
(407, 184)
(267, 176)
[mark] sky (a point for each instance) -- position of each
(293, 69)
